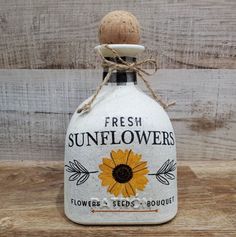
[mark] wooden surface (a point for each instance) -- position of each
(31, 203)
(62, 34)
(36, 106)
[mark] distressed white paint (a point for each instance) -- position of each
(121, 102)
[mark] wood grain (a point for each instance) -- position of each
(62, 34)
(31, 203)
(36, 106)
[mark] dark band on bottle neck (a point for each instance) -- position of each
(121, 77)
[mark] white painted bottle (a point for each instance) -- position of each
(120, 157)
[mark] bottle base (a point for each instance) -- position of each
(115, 222)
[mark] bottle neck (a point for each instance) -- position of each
(121, 77)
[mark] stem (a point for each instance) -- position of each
(152, 174)
(87, 172)
(92, 172)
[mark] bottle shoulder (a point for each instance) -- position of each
(123, 101)
(126, 97)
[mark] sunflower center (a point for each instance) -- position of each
(122, 173)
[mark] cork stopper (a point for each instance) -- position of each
(119, 27)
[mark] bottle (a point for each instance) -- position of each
(120, 157)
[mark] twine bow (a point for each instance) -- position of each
(125, 66)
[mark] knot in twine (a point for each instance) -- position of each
(125, 66)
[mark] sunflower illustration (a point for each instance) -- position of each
(124, 173)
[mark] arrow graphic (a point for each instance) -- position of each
(114, 210)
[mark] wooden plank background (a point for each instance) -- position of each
(36, 106)
(62, 33)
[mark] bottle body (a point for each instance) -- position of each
(120, 161)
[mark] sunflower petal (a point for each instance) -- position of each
(141, 180)
(133, 159)
(105, 169)
(140, 172)
(108, 162)
(125, 192)
(119, 157)
(118, 189)
(106, 180)
(130, 189)
(111, 186)
(140, 165)
(138, 186)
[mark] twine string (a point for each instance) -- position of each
(125, 66)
